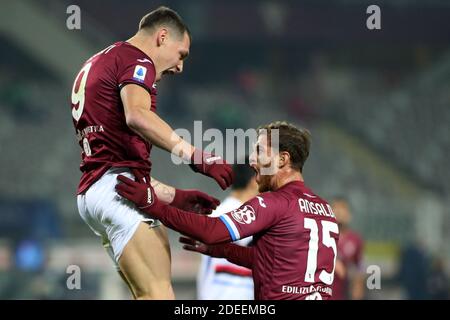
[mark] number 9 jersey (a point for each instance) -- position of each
(98, 114)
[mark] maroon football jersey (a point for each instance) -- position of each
(98, 115)
(350, 252)
(295, 234)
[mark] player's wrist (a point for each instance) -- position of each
(217, 251)
(149, 201)
(178, 198)
(197, 156)
(155, 209)
(196, 161)
(187, 151)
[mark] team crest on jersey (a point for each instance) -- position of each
(139, 73)
(246, 215)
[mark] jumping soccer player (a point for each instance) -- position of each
(114, 114)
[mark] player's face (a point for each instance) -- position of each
(261, 161)
(174, 51)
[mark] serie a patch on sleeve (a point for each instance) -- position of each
(139, 73)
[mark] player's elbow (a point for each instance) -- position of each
(134, 121)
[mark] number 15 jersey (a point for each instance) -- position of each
(295, 242)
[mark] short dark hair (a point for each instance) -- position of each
(292, 140)
(164, 16)
(243, 173)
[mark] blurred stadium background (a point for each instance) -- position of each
(377, 104)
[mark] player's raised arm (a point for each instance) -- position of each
(136, 101)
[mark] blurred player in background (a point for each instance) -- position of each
(295, 232)
(219, 279)
(349, 278)
(114, 114)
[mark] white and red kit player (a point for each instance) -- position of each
(114, 114)
(218, 278)
(294, 230)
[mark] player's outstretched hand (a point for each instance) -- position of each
(141, 194)
(194, 201)
(196, 246)
(212, 166)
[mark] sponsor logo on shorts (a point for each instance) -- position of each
(245, 215)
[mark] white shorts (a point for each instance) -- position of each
(110, 216)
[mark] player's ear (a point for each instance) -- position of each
(161, 36)
(284, 159)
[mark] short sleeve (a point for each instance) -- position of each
(254, 216)
(136, 69)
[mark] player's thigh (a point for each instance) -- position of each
(110, 215)
(122, 276)
(146, 263)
